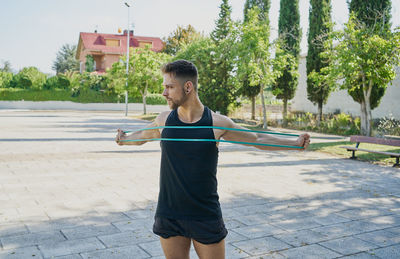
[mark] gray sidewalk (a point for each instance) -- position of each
(68, 191)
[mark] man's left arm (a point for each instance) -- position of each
(302, 141)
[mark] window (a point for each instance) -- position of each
(143, 44)
(112, 43)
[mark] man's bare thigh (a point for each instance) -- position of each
(177, 247)
(210, 251)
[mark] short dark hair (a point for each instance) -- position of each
(182, 70)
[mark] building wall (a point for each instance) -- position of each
(341, 101)
(110, 59)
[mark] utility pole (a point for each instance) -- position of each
(127, 63)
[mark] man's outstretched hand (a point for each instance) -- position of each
(303, 140)
(120, 136)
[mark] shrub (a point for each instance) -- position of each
(5, 79)
(51, 83)
(62, 82)
(388, 125)
(340, 124)
(28, 78)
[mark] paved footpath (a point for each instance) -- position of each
(68, 191)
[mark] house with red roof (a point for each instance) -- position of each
(106, 49)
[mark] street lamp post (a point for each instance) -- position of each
(127, 63)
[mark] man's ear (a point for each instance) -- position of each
(188, 87)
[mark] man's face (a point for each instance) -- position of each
(173, 91)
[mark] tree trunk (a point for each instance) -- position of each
(368, 117)
(284, 113)
(319, 113)
(253, 107)
(363, 119)
(264, 108)
(144, 95)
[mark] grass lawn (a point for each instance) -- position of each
(334, 148)
(328, 147)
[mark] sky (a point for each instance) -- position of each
(32, 32)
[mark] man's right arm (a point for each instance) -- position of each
(142, 134)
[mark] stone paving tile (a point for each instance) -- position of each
(233, 237)
(296, 224)
(330, 219)
(348, 245)
(152, 248)
(52, 225)
(126, 252)
(387, 252)
(301, 237)
(71, 247)
(380, 238)
(230, 213)
(310, 252)
(272, 255)
(341, 230)
(253, 219)
(233, 252)
(128, 238)
(31, 239)
(89, 231)
(232, 223)
(362, 213)
(362, 226)
(252, 209)
(106, 217)
(386, 221)
(12, 229)
(287, 215)
(75, 256)
(261, 245)
(363, 255)
(134, 224)
(140, 214)
(395, 230)
(257, 231)
(19, 253)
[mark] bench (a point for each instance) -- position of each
(373, 140)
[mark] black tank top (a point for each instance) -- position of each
(188, 182)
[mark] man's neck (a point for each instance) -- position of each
(191, 111)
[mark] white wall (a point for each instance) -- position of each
(59, 105)
(390, 102)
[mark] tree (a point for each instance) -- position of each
(144, 73)
(365, 61)
(251, 91)
(28, 78)
(65, 59)
(5, 79)
(318, 85)
(263, 5)
(89, 64)
(254, 58)
(179, 37)
(374, 15)
(290, 36)
(223, 23)
(222, 88)
(6, 67)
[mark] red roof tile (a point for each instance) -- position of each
(97, 41)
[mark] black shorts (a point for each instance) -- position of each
(203, 231)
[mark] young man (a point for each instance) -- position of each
(188, 208)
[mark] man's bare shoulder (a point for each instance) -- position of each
(220, 120)
(162, 118)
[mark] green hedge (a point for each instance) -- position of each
(87, 96)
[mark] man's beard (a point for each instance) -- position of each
(175, 104)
